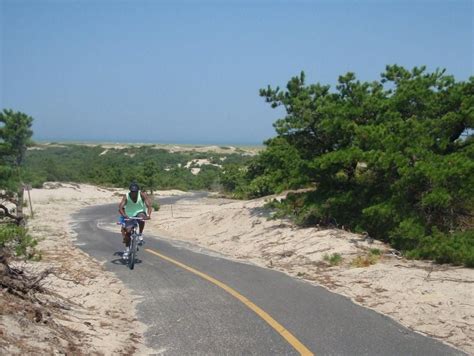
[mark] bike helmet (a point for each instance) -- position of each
(134, 187)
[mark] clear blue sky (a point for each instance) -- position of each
(190, 71)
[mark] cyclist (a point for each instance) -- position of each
(134, 204)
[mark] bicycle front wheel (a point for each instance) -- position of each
(133, 252)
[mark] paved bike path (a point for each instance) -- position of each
(188, 315)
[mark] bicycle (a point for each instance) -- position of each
(133, 241)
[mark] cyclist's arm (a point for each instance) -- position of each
(122, 206)
(147, 200)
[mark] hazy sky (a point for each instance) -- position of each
(190, 71)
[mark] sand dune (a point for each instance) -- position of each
(244, 150)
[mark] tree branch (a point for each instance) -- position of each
(7, 213)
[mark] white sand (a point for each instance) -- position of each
(431, 299)
(196, 164)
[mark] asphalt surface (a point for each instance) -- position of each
(188, 315)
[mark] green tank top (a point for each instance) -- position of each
(132, 208)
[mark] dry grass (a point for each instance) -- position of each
(365, 261)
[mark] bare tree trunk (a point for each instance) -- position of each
(20, 201)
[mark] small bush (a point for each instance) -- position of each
(334, 260)
(375, 251)
(156, 206)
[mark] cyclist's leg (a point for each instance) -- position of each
(141, 223)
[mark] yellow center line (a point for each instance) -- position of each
(292, 340)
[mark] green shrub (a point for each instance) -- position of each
(407, 235)
(334, 260)
(16, 238)
(456, 248)
(375, 252)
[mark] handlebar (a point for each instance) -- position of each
(136, 218)
(133, 218)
